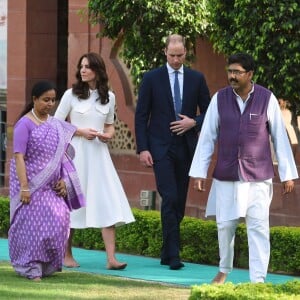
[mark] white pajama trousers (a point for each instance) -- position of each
(258, 243)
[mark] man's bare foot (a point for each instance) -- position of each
(70, 262)
(116, 265)
(220, 278)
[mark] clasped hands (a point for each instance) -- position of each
(91, 134)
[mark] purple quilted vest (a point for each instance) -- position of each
(243, 141)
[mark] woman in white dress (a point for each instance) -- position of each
(89, 105)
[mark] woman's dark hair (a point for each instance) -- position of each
(96, 64)
(38, 89)
(243, 59)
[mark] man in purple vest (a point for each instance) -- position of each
(241, 119)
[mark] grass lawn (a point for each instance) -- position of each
(75, 285)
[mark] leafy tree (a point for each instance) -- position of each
(143, 25)
(269, 30)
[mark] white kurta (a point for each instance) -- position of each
(106, 202)
(230, 200)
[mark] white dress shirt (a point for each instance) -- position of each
(171, 73)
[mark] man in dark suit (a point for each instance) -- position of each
(166, 127)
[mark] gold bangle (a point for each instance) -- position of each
(25, 190)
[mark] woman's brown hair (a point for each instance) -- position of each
(96, 63)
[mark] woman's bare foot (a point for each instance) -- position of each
(36, 279)
(116, 265)
(70, 262)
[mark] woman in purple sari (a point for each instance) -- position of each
(43, 187)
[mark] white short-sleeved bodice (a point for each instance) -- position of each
(107, 203)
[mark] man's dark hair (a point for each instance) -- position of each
(243, 59)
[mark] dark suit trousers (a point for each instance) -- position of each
(172, 179)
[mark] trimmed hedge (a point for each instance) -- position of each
(199, 242)
(247, 291)
(4, 216)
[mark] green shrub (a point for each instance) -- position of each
(247, 291)
(4, 216)
(136, 238)
(89, 238)
(285, 253)
(199, 241)
(241, 247)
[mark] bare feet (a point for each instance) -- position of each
(70, 262)
(116, 266)
(36, 279)
(220, 278)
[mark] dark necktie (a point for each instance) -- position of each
(177, 98)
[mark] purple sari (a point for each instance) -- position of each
(39, 230)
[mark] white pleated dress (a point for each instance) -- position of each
(106, 201)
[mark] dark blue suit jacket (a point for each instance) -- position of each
(155, 110)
